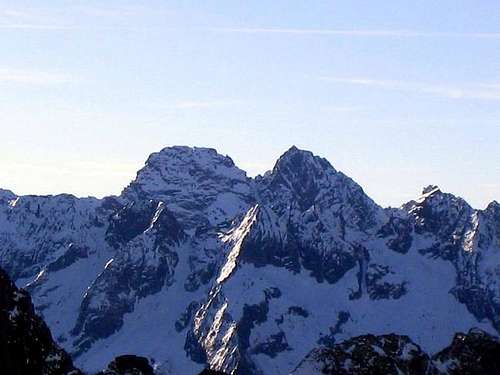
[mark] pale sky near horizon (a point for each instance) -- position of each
(396, 94)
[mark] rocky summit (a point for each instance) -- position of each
(197, 267)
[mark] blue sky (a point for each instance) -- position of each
(396, 94)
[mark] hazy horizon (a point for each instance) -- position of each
(252, 174)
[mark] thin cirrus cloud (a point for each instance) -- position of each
(34, 26)
(79, 17)
(205, 104)
(26, 77)
(473, 91)
(20, 24)
(359, 33)
(27, 19)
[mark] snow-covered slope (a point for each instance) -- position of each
(196, 264)
(38, 230)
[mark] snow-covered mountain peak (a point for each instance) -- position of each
(430, 190)
(203, 157)
(196, 264)
(300, 170)
(305, 155)
(457, 233)
(493, 206)
(302, 183)
(6, 196)
(490, 218)
(201, 187)
(430, 193)
(434, 207)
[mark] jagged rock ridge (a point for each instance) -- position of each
(197, 265)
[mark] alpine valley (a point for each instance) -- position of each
(195, 266)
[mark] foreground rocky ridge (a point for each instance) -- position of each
(195, 264)
(473, 353)
(26, 345)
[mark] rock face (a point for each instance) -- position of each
(26, 345)
(197, 266)
(467, 238)
(310, 217)
(145, 264)
(128, 365)
(474, 353)
(386, 354)
(211, 372)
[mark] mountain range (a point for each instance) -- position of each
(196, 265)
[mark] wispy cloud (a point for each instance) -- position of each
(204, 104)
(81, 17)
(30, 26)
(14, 13)
(38, 19)
(26, 19)
(32, 77)
(358, 33)
(472, 91)
(342, 109)
(494, 86)
(123, 11)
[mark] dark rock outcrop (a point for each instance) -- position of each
(26, 344)
(128, 365)
(367, 355)
(212, 372)
(474, 353)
